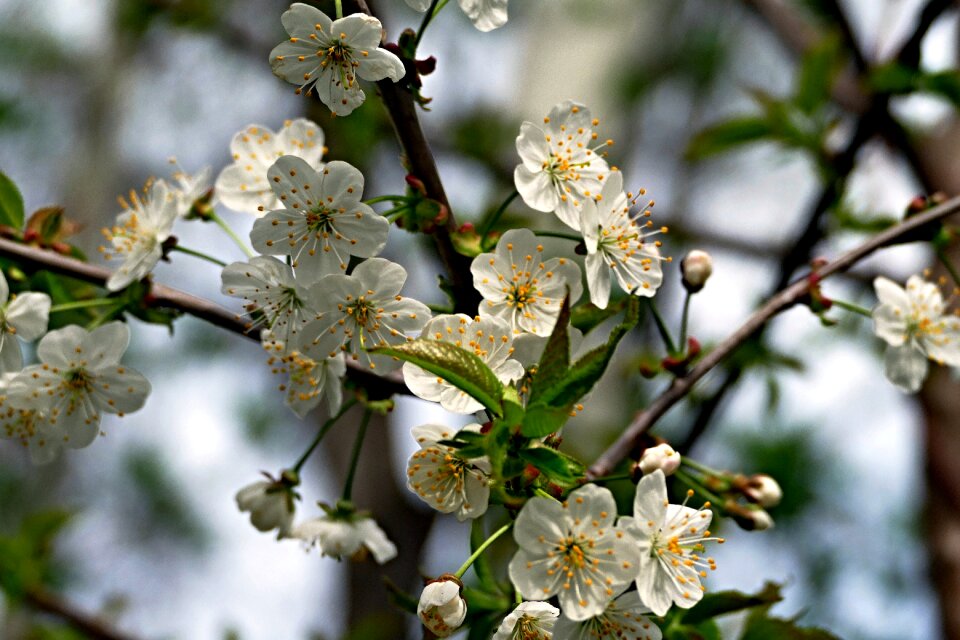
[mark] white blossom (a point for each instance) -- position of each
(29, 427)
(190, 188)
(309, 381)
(441, 609)
(330, 56)
(661, 457)
(25, 315)
(243, 185)
(79, 378)
(616, 241)
(670, 538)
(572, 550)
(346, 535)
(486, 15)
(490, 339)
(362, 311)
(139, 233)
(445, 481)
(560, 169)
(916, 327)
(623, 619)
(271, 504)
(519, 286)
(531, 620)
(323, 222)
(528, 347)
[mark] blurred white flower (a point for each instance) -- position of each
(914, 324)
(323, 222)
(519, 286)
(271, 504)
(661, 457)
(330, 56)
(243, 185)
(348, 535)
(25, 316)
(29, 427)
(139, 233)
(490, 339)
(623, 619)
(763, 490)
(445, 481)
(531, 620)
(441, 609)
(560, 169)
(486, 15)
(191, 189)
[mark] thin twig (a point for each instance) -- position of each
(781, 301)
(89, 625)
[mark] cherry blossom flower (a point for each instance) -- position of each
(441, 609)
(309, 381)
(445, 481)
(573, 550)
(519, 286)
(329, 56)
(243, 185)
(352, 535)
(560, 169)
(79, 378)
(670, 538)
(531, 620)
(490, 339)
(29, 427)
(192, 190)
(271, 504)
(661, 457)
(139, 233)
(915, 325)
(24, 315)
(363, 311)
(623, 619)
(324, 222)
(486, 15)
(616, 242)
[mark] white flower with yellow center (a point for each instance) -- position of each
(445, 481)
(490, 339)
(28, 427)
(562, 165)
(572, 550)
(243, 185)
(617, 242)
(323, 222)
(25, 315)
(670, 538)
(309, 381)
(916, 326)
(363, 311)
(331, 56)
(531, 620)
(520, 286)
(623, 619)
(486, 15)
(80, 378)
(138, 235)
(346, 535)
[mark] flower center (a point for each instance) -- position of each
(77, 380)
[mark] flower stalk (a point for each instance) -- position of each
(483, 547)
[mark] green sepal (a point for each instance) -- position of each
(558, 467)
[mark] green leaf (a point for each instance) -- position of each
(556, 355)
(943, 83)
(817, 72)
(893, 78)
(724, 602)
(557, 467)
(11, 203)
(587, 317)
(727, 135)
(457, 366)
(541, 420)
(764, 628)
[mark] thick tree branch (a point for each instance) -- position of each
(89, 625)
(34, 259)
(645, 419)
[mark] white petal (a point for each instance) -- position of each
(536, 189)
(598, 279)
(28, 314)
(906, 367)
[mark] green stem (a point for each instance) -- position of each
(387, 199)
(702, 468)
(559, 234)
(661, 326)
(427, 17)
(355, 456)
(691, 482)
(198, 254)
(103, 317)
(952, 270)
(543, 494)
(849, 306)
(440, 308)
(220, 222)
(492, 220)
(683, 321)
(322, 432)
(517, 598)
(389, 212)
(83, 304)
(615, 476)
(339, 6)
(476, 554)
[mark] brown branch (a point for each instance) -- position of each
(778, 303)
(89, 625)
(35, 259)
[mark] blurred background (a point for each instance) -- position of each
(769, 132)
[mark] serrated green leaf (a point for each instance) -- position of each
(457, 366)
(556, 466)
(11, 203)
(726, 135)
(541, 420)
(724, 602)
(555, 360)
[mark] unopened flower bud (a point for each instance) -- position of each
(271, 505)
(661, 457)
(441, 609)
(756, 520)
(763, 490)
(696, 268)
